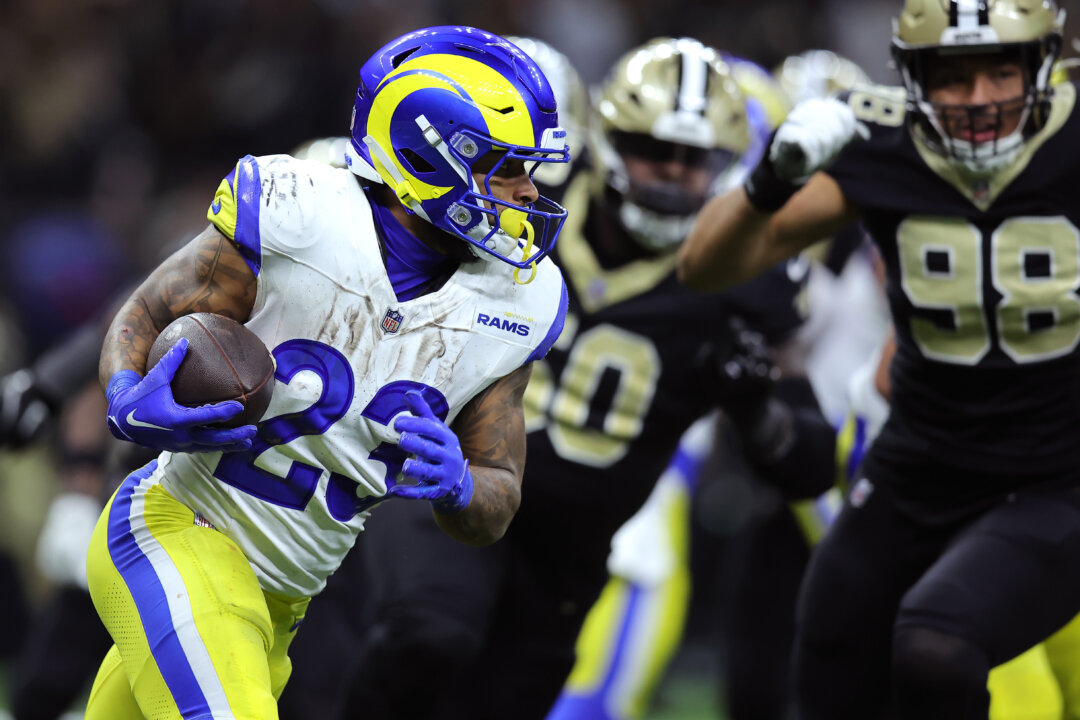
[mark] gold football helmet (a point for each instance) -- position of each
(669, 100)
(1029, 31)
(818, 74)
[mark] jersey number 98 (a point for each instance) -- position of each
(1034, 265)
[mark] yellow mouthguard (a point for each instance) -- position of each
(513, 223)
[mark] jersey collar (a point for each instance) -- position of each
(982, 192)
(597, 288)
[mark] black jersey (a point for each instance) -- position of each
(982, 283)
(606, 408)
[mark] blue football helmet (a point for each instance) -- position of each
(431, 105)
(572, 95)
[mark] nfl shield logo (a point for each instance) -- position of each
(392, 321)
(980, 194)
(861, 492)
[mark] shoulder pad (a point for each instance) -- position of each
(264, 196)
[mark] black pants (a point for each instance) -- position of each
(894, 613)
(12, 607)
(767, 562)
(325, 643)
(462, 632)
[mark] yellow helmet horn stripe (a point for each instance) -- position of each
(471, 80)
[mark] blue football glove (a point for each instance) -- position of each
(441, 472)
(142, 410)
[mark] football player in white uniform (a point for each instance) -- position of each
(404, 300)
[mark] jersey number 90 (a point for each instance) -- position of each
(565, 407)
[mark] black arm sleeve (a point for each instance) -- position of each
(63, 371)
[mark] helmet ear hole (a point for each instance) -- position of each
(415, 161)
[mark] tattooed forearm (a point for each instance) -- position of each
(492, 433)
(496, 496)
(207, 275)
(128, 341)
(492, 426)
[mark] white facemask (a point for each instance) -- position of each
(651, 229)
(986, 158)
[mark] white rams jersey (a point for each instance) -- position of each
(346, 352)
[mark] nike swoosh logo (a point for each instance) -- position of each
(215, 207)
(130, 420)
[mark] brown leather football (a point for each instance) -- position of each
(224, 361)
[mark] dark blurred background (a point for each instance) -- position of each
(118, 118)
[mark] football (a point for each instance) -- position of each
(224, 361)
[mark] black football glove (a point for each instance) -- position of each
(31, 398)
(791, 446)
(739, 374)
(25, 409)
(740, 379)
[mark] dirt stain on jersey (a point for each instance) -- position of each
(346, 329)
(328, 328)
(281, 187)
(355, 329)
(429, 356)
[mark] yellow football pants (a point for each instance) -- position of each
(195, 636)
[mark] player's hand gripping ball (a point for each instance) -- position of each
(209, 379)
(224, 361)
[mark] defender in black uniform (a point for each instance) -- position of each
(957, 550)
(489, 633)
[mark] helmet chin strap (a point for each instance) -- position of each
(401, 187)
(982, 159)
(482, 229)
(513, 223)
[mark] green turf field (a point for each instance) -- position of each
(685, 697)
(687, 693)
